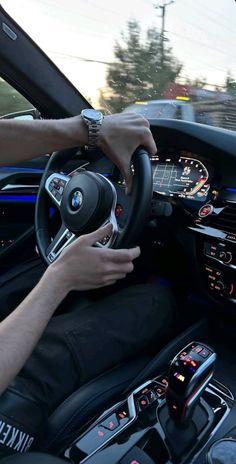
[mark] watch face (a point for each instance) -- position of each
(92, 115)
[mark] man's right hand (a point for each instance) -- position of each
(81, 266)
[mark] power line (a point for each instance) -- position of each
(108, 63)
(201, 43)
(80, 58)
(222, 17)
(203, 13)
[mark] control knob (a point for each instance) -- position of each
(226, 289)
(225, 256)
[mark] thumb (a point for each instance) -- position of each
(97, 235)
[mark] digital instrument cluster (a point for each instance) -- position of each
(181, 175)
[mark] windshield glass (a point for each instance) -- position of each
(154, 110)
(117, 54)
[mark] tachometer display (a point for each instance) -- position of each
(186, 177)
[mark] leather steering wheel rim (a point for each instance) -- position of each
(140, 203)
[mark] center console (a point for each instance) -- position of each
(215, 228)
(168, 419)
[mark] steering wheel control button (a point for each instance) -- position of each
(118, 210)
(111, 423)
(205, 210)
(105, 240)
(55, 187)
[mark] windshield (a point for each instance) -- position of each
(154, 110)
(119, 54)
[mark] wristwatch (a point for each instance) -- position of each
(93, 119)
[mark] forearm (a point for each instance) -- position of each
(22, 140)
(20, 332)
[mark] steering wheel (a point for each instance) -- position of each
(87, 201)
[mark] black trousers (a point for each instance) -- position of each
(92, 338)
(76, 347)
(36, 458)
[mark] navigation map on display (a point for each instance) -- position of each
(186, 178)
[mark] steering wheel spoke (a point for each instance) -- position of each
(55, 186)
(63, 238)
(109, 240)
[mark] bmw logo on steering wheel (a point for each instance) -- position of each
(76, 200)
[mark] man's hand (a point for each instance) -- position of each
(81, 266)
(120, 135)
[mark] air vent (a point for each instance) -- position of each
(226, 220)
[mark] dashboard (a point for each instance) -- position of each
(181, 174)
(195, 171)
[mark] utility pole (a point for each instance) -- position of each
(163, 17)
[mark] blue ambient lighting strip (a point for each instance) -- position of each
(21, 198)
(230, 189)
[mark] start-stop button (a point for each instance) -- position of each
(205, 210)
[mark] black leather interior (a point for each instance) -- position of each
(68, 420)
(90, 400)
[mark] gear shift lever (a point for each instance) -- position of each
(189, 374)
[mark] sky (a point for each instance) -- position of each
(201, 33)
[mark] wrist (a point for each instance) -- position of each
(79, 131)
(55, 283)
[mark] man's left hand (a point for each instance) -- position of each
(120, 135)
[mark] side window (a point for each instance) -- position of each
(11, 101)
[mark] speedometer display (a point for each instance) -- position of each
(184, 177)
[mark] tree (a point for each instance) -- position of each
(230, 84)
(138, 73)
(11, 100)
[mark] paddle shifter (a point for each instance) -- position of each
(189, 374)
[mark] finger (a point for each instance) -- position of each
(115, 276)
(118, 268)
(121, 255)
(149, 143)
(99, 234)
(110, 282)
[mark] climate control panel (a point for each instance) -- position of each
(220, 251)
(219, 282)
(219, 267)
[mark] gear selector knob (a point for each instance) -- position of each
(190, 371)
